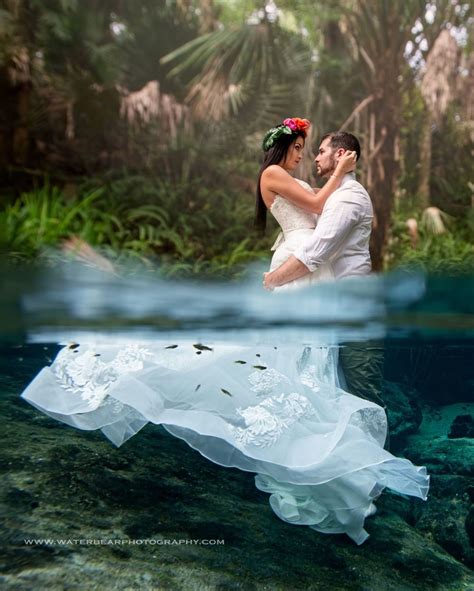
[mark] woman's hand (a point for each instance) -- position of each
(267, 283)
(346, 163)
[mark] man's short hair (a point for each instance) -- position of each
(342, 139)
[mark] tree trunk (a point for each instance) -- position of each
(208, 21)
(425, 162)
(380, 31)
(383, 168)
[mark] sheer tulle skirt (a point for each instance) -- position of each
(276, 411)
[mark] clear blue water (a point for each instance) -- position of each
(58, 482)
(73, 298)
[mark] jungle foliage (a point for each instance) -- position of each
(136, 126)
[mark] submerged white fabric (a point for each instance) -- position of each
(275, 411)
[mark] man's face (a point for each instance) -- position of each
(326, 159)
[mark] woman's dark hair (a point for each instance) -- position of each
(273, 155)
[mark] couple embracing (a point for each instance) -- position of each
(325, 232)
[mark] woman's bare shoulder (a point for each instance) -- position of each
(274, 171)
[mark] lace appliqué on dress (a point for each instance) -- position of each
(90, 377)
(307, 378)
(264, 381)
(372, 421)
(267, 421)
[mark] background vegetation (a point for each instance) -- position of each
(136, 124)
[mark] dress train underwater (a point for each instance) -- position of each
(277, 411)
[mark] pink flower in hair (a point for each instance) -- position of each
(291, 123)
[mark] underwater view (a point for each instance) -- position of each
(237, 295)
(81, 513)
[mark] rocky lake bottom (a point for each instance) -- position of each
(61, 484)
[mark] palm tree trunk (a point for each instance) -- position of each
(425, 162)
(383, 168)
(208, 21)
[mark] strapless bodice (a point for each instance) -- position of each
(291, 217)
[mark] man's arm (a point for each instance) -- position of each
(337, 220)
(290, 270)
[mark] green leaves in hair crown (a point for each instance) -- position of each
(289, 126)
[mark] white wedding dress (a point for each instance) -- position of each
(277, 411)
(296, 225)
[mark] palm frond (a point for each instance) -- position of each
(226, 69)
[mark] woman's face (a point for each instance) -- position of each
(294, 155)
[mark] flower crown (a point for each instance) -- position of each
(290, 126)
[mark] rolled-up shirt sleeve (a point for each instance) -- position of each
(341, 213)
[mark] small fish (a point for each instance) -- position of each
(257, 355)
(198, 352)
(201, 347)
(197, 387)
(171, 347)
(240, 361)
(96, 354)
(259, 366)
(226, 392)
(73, 346)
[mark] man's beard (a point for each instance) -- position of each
(328, 169)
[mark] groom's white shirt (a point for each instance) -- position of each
(342, 234)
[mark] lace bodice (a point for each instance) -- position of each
(290, 216)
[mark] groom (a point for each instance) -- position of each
(342, 235)
(341, 239)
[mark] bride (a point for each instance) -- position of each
(293, 203)
(277, 411)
